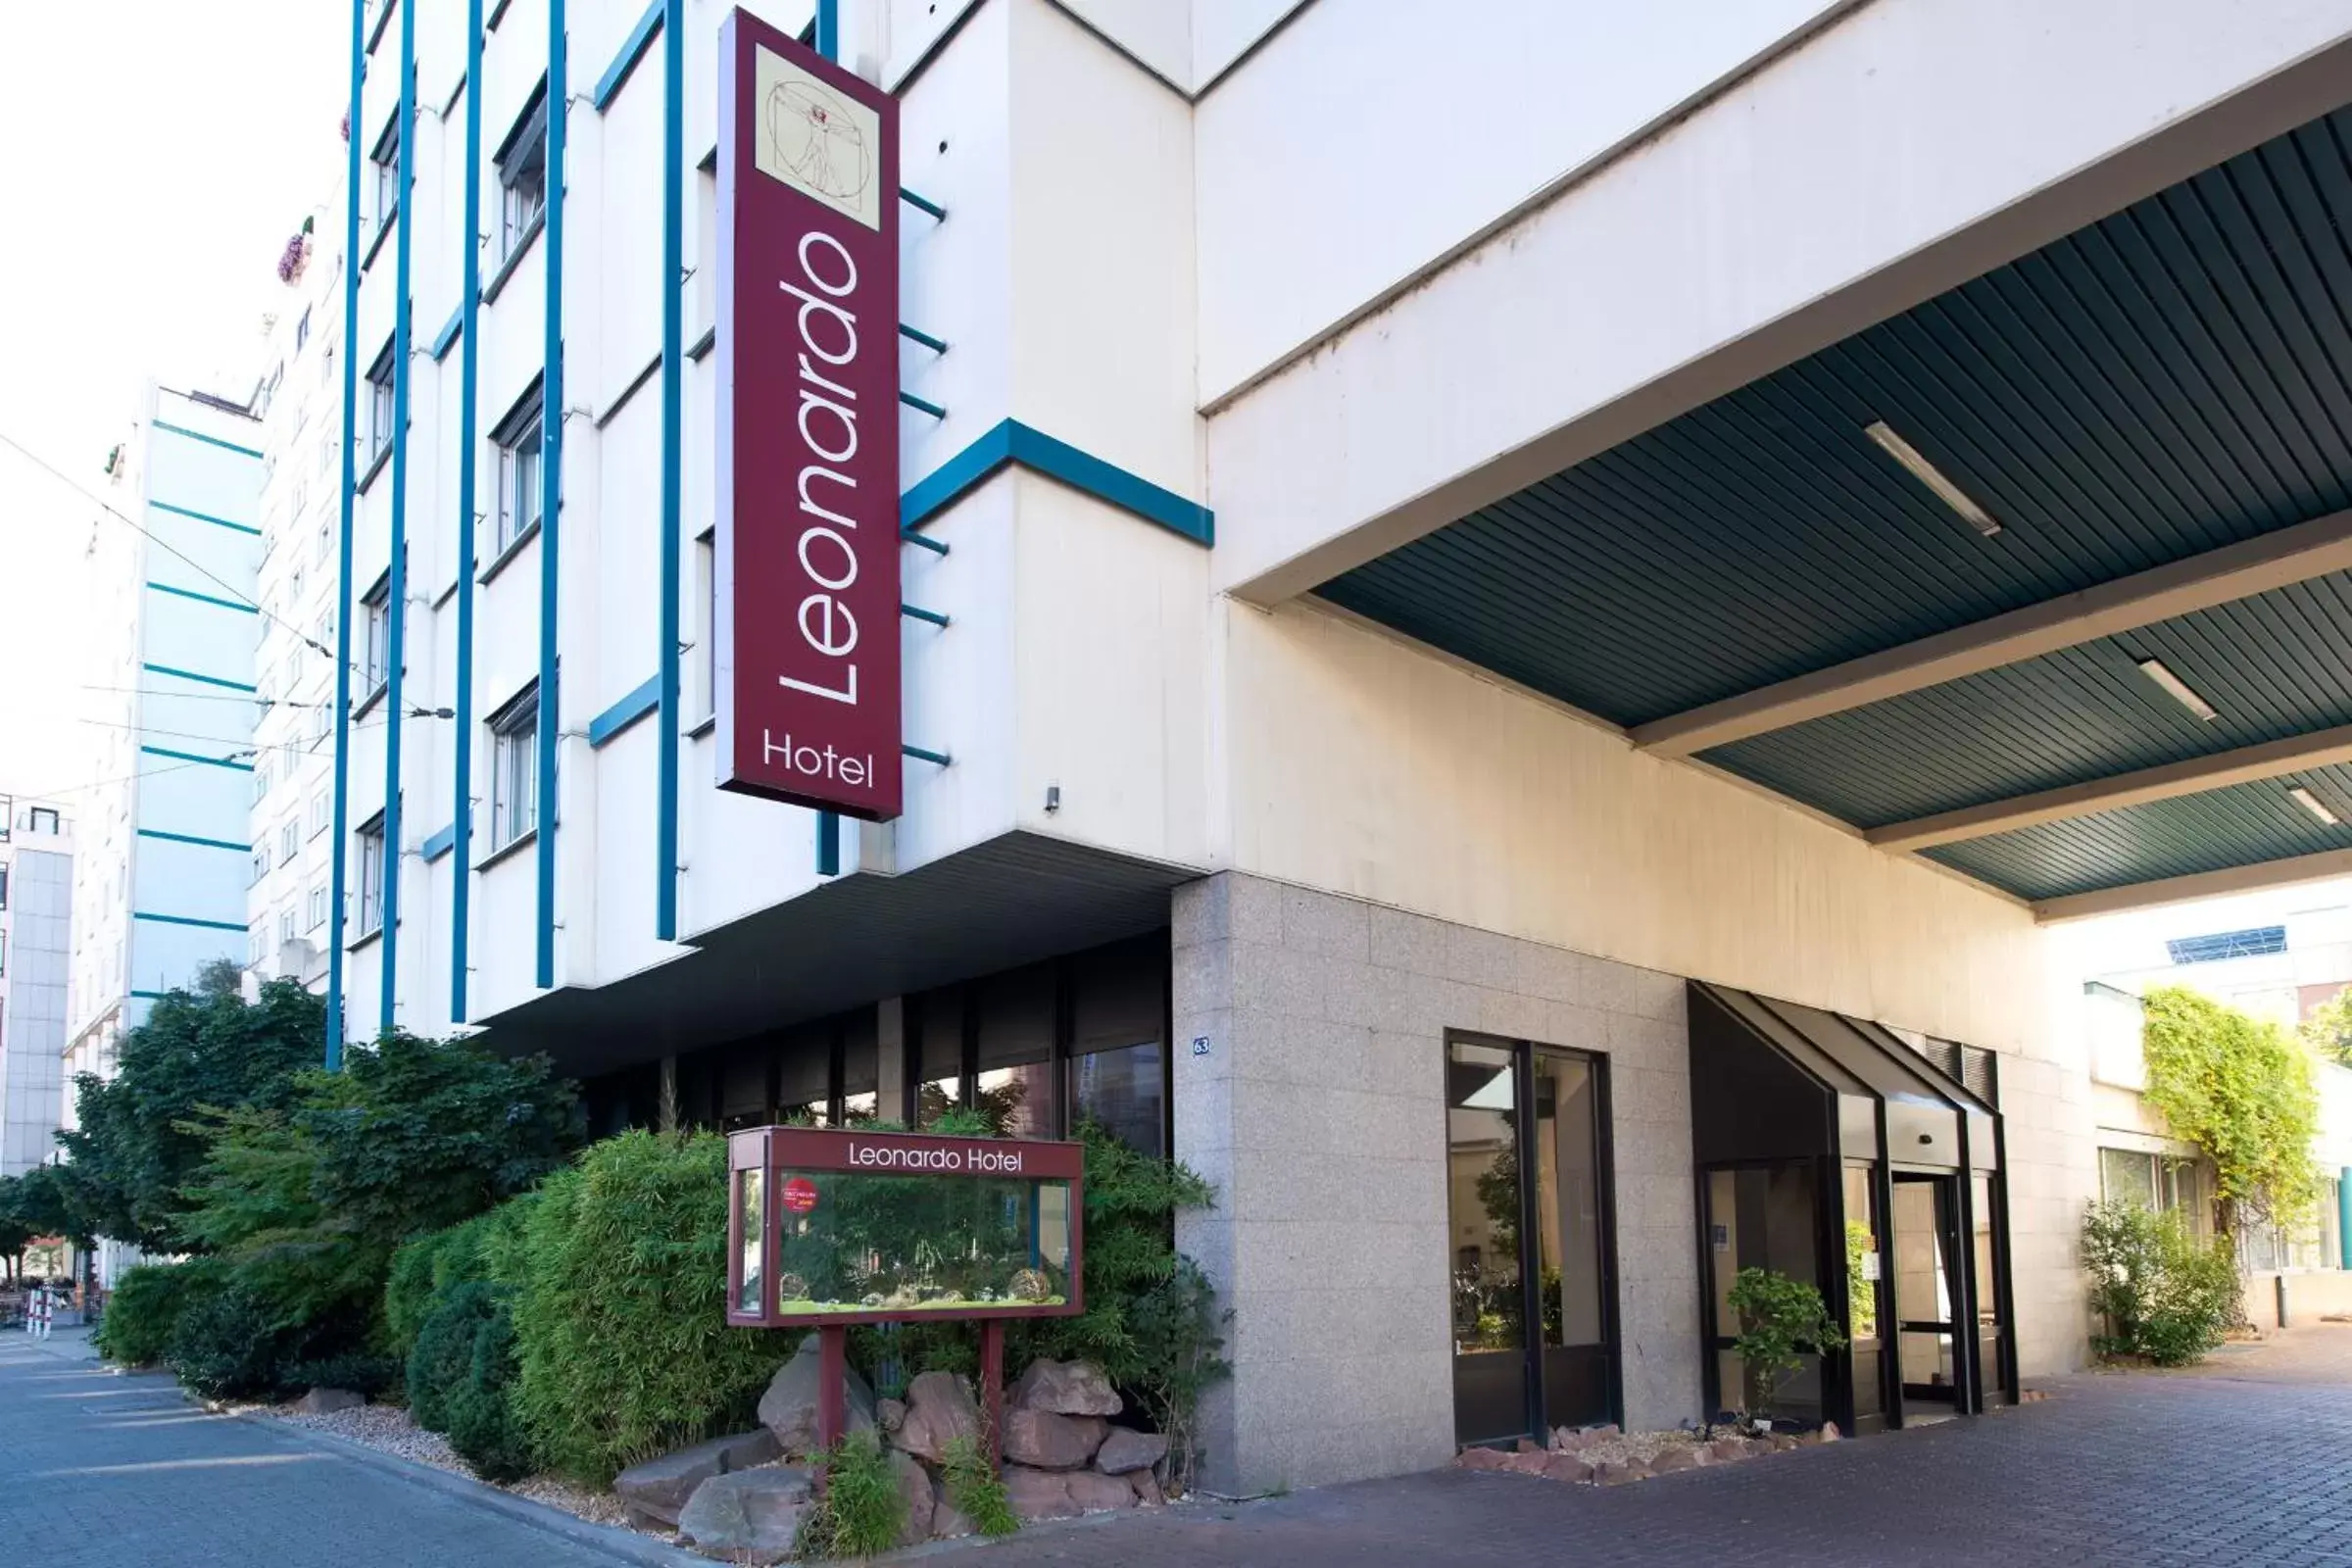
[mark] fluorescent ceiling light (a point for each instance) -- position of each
(2155, 670)
(2314, 804)
(1927, 473)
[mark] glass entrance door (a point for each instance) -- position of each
(1927, 1276)
(1528, 1209)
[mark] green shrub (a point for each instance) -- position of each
(862, 1510)
(371, 1375)
(2161, 1292)
(441, 1362)
(1782, 1322)
(145, 1309)
(426, 1268)
(621, 1340)
(975, 1488)
(482, 1424)
(228, 1344)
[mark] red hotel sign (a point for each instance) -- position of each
(807, 592)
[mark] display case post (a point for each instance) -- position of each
(992, 1389)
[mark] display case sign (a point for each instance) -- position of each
(831, 1226)
(806, 596)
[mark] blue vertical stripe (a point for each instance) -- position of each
(673, 383)
(339, 874)
(551, 486)
(395, 651)
(828, 823)
(461, 896)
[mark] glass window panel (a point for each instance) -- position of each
(1986, 1279)
(1124, 1091)
(1862, 1260)
(1568, 1200)
(1118, 996)
(939, 1054)
(861, 1068)
(1489, 1316)
(2127, 1176)
(803, 1076)
(755, 1226)
(856, 1241)
(1016, 1017)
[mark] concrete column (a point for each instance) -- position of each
(890, 1052)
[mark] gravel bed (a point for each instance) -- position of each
(387, 1429)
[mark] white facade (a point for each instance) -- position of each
(293, 739)
(36, 908)
(164, 859)
(1209, 247)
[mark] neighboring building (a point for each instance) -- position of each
(1516, 629)
(2278, 958)
(293, 762)
(36, 917)
(164, 853)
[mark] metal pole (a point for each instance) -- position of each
(396, 649)
(673, 383)
(461, 899)
(338, 876)
(551, 487)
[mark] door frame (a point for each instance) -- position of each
(1948, 1191)
(1523, 1053)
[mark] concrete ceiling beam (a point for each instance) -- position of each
(2251, 566)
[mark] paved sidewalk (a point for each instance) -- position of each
(2152, 1472)
(106, 1469)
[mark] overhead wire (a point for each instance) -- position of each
(107, 506)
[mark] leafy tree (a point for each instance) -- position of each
(2159, 1293)
(310, 1202)
(16, 1231)
(2329, 1030)
(2242, 1090)
(141, 1138)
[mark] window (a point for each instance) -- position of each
(2251, 944)
(326, 551)
(3, 952)
(41, 819)
(3, 887)
(323, 719)
(522, 177)
(514, 769)
(386, 173)
(372, 874)
(257, 942)
(294, 586)
(285, 925)
(302, 330)
(516, 439)
(703, 698)
(260, 863)
(289, 840)
(322, 813)
(317, 910)
(379, 405)
(375, 643)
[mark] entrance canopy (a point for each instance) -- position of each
(2045, 579)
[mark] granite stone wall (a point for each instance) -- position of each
(1309, 1089)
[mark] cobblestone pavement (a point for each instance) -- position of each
(2307, 1355)
(99, 1468)
(2149, 1471)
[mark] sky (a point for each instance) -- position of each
(154, 157)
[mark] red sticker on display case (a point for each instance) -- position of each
(800, 1195)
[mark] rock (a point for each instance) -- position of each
(1125, 1450)
(915, 1484)
(1830, 1432)
(1065, 1388)
(940, 1408)
(1608, 1429)
(1727, 1448)
(1482, 1459)
(1047, 1440)
(657, 1489)
(947, 1520)
(1038, 1494)
(890, 1414)
(1617, 1472)
(1094, 1493)
(1529, 1464)
(789, 1407)
(1567, 1467)
(326, 1402)
(1529, 1446)
(753, 1516)
(1669, 1460)
(1147, 1489)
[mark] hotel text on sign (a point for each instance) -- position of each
(808, 492)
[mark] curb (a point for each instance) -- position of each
(624, 1544)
